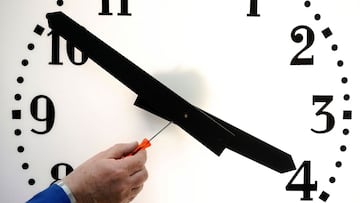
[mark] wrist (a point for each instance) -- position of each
(67, 190)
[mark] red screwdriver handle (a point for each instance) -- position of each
(143, 145)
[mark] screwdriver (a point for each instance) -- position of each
(146, 142)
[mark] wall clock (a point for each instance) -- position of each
(285, 72)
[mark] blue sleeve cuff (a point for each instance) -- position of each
(53, 194)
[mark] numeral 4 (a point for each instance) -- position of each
(306, 187)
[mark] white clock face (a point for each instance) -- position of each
(234, 66)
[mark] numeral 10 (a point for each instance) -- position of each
(124, 8)
(70, 50)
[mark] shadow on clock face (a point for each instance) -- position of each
(189, 84)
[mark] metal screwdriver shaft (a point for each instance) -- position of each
(146, 143)
(162, 129)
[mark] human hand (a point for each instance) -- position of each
(109, 176)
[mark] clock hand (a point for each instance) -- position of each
(239, 141)
(136, 79)
(248, 145)
(155, 97)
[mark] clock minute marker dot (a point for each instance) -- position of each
(324, 196)
(17, 97)
(346, 131)
(327, 32)
(25, 62)
(16, 114)
(20, 149)
(25, 166)
(343, 148)
(346, 97)
(20, 80)
(334, 47)
(31, 46)
(338, 164)
(347, 115)
(344, 80)
(17, 132)
(332, 179)
(340, 63)
(60, 2)
(31, 181)
(307, 4)
(39, 30)
(317, 17)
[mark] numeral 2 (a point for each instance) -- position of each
(298, 38)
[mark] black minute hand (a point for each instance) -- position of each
(156, 98)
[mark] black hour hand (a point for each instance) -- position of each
(255, 149)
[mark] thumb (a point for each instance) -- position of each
(118, 151)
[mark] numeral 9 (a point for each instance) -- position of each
(49, 117)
